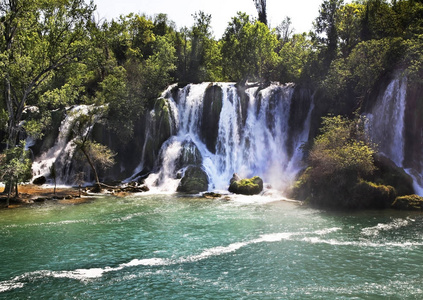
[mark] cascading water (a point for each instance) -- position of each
(387, 127)
(387, 121)
(252, 136)
(63, 150)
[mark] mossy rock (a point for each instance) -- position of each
(409, 202)
(252, 186)
(194, 181)
(372, 195)
(388, 173)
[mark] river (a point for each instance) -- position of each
(167, 247)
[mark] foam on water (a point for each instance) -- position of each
(395, 224)
(313, 237)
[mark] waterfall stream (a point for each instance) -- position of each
(252, 136)
(387, 128)
(387, 121)
(62, 152)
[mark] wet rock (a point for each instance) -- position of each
(212, 195)
(194, 180)
(209, 126)
(252, 186)
(189, 155)
(39, 180)
(409, 202)
(234, 178)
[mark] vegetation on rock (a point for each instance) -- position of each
(251, 186)
(409, 202)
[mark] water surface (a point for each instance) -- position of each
(167, 247)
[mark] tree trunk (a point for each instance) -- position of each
(98, 186)
(8, 194)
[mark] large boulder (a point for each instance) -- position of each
(39, 180)
(388, 173)
(194, 180)
(252, 186)
(212, 106)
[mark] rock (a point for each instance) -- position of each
(252, 186)
(194, 180)
(209, 125)
(371, 195)
(189, 155)
(388, 173)
(212, 195)
(409, 202)
(235, 177)
(39, 180)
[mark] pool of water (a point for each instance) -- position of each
(168, 247)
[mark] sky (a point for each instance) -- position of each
(301, 12)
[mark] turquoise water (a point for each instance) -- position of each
(166, 247)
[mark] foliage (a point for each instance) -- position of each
(294, 55)
(326, 30)
(38, 38)
(248, 50)
(341, 148)
(340, 157)
(97, 155)
(15, 167)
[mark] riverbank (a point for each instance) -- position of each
(30, 194)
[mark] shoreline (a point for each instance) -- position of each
(30, 194)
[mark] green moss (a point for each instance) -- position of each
(252, 186)
(372, 195)
(408, 202)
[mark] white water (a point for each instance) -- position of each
(62, 152)
(387, 121)
(258, 148)
(386, 127)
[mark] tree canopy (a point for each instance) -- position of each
(55, 53)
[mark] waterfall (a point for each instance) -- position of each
(386, 121)
(387, 129)
(63, 150)
(251, 136)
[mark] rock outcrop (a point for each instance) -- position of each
(252, 186)
(194, 180)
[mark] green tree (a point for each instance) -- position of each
(96, 154)
(38, 38)
(348, 25)
(248, 50)
(294, 56)
(325, 33)
(340, 158)
(15, 167)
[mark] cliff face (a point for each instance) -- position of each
(413, 131)
(252, 129)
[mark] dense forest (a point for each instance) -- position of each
(54, 54)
